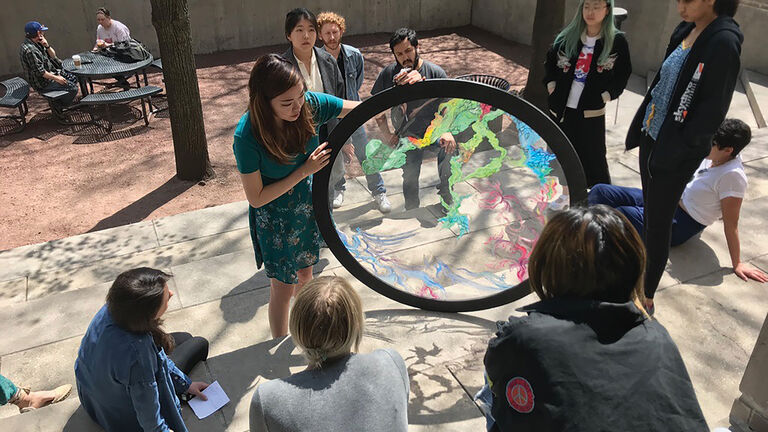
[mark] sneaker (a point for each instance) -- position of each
(338, 198)
(382, 202)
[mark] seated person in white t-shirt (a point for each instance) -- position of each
(109, 30)
(716, 190)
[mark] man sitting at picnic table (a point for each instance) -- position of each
(42, 69)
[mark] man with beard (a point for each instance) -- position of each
(412, 120)
(350, 62)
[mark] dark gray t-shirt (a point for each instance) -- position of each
(425, 115)
(361, 392)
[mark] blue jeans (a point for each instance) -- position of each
(375, 182)
(70, 87)
(629, 201)
(485, 397)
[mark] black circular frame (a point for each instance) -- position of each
(443, 89)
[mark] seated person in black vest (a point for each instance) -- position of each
(587, 357)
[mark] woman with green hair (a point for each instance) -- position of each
(587, 66)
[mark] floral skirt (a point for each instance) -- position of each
(284, 233)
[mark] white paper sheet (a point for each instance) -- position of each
(216, 399)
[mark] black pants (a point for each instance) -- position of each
(190, 350)
(661, 193)
(412, 170)
(588, 138)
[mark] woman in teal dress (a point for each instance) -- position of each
(277, 150)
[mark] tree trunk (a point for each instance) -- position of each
(546, 24)
(171, 21)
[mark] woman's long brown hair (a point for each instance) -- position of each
(271, 76)
(135, 298)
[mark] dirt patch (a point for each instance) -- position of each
(61, 181)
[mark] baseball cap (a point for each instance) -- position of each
(32, 27)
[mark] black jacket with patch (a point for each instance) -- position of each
(610, 77)
(700, 101)
(589, 366)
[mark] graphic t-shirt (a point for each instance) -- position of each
(580, 73)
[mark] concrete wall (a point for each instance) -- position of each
(216, 25)
(236, 24)
(648, 27)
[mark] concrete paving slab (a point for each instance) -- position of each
(757, 148)
(41, 368)
(740, 107)
(714, 320)
(759, 85)
(757, 176)
(628, 103)
(230, 323)
(13, 291)
(53, 318)
(438, 402)
(623, 175)
(357, 192)
(66, 416)
(240, 371)
(202, 223)
(213, 278)
(77, 251)
(627, 158)
(708, 253)
(43, 283)
(214, 422)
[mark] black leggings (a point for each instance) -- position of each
(190, 350)
(588, 138)
(661, 193)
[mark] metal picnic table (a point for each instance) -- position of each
(95, 66)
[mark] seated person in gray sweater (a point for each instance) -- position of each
(339, 390)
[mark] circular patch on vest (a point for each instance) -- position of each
(520, 395)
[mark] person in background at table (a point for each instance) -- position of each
(674, 126)
(716, 191)
(340, 390)
(587, 357)
(129, 371)
(587, 66)
(42, 69)
(27, 400)
(109, 30)
(350, 61)
(108, 33)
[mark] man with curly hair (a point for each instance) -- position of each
(332, 27)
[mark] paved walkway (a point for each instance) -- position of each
(50, 291)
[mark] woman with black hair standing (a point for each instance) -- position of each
(674, 125)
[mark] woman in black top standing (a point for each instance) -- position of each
(587, 66)
(674, 125)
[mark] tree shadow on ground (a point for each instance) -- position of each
(144, 206)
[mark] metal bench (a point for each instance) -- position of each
(494, 81)
(17, 91)
(108, 99)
